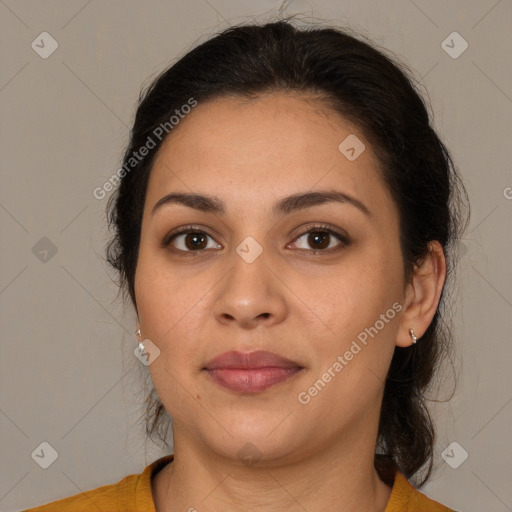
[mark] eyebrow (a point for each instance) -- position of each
(283, 206)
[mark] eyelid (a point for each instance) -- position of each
(338, 233)
(341, 235)
(191, 228)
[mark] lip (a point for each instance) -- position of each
(251, 372)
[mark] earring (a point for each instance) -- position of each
(412, 335)
(142, 348)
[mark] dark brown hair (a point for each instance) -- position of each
(370, 90)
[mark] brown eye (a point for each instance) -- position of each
(321, 240)
(189, 241)
(195, 241)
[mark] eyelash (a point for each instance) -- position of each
(345, 241)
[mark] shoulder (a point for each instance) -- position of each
(405, 498)
(132, 493)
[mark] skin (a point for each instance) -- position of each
(304, 306)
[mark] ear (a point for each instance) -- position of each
(422, 295)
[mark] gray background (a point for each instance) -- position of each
(68, 374)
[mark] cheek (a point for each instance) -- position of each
(359, 308)
(161, 301)
(169, 309)
(353, 295)
(172, 307)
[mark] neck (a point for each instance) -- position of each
(339, 477)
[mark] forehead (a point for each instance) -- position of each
(249, 150)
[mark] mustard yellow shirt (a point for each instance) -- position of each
(133, 494)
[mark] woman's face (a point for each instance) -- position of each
(258, 278)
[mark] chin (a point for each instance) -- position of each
(253, 436)
(255, 450)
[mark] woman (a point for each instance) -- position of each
(284, 227)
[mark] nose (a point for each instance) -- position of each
(251, 294)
